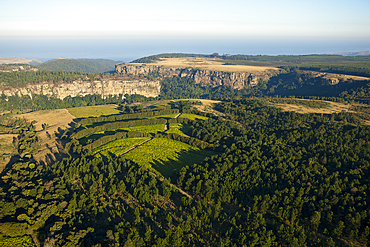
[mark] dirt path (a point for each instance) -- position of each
(137, 145)
(165, 128)
(177, 115)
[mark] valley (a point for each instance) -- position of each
(202, 162)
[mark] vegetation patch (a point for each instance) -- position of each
(193, 116)
(167, 156)
(48, 123)
(93, 111)
(308, 103)
(178, 128)
(152, 129)
(168, 116)
(117, 147)
(215, 64)
(6, 149)
(25, 241)
(301, 107)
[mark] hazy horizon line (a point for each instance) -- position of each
(130, 48)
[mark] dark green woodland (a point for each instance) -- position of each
(244, 173)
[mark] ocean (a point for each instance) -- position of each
(130, 48)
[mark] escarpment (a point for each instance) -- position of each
(82, 88)
(237, 80)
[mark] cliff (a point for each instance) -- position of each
(82, 88)
(236, 80)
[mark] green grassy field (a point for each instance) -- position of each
(151, 129)
(162, 105)
(164, 116)
(178, 128)
(118, 146)
(93, 111)
(193, 116)
(167, 156)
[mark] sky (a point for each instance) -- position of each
(336, 20)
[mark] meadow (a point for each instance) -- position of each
(163, 116)
(151, 129)
(305, 106)
(93, 111)
(118, 146)
(214, 64)
(167, 156)
(6, 149)
(178, 128)
(55, 120)
(193, 116)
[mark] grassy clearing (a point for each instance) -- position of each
(164, 116)
(167, 156)
(93, 111)
(6, 149)
(209, 64)
(162, 105)
(158, 104)
(118, 146)
(293, 101)
(207, 106)
(151, 129)
(332, 107)
(55, 119)
(178, 128)
(193, 116)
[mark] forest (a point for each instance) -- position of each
(165, 172)
(274, 179)
(80, 65)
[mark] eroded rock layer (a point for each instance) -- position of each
(237, 80)
(82, 88)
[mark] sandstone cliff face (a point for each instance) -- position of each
(237, 80)
(82, 88)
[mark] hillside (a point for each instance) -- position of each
(203, 77)
(19, 60)
(266, 60)
(215, 76)
(208, 162)
(80, 65)
(361, 53)
(151, 176)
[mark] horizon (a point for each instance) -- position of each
(128, 49)
(122, 30)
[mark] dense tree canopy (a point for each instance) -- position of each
(270, 177)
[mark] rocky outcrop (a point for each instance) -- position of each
(82, 88)
(237, 80)
(16, 68)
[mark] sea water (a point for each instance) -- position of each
(133, 47)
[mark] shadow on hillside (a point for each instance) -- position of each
(185, 128)
(94, 137)
(185, 158)
(50, 158)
